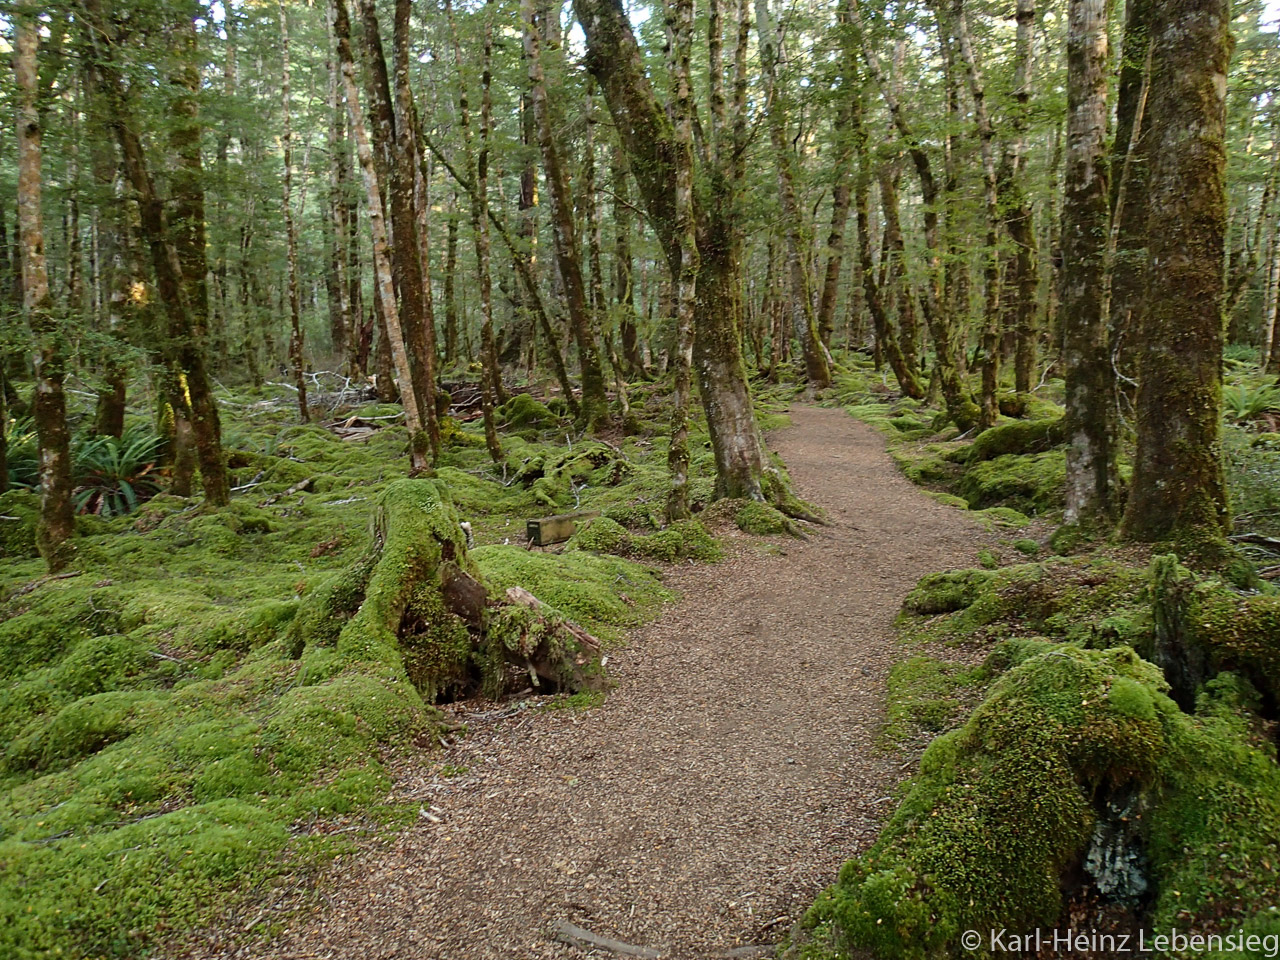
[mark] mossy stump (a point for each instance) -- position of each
(418, 605)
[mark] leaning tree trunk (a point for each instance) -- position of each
(613, 57)
(1179, 491)
(57, 522)
(1090, 414)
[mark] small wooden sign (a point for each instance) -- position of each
(548, 530)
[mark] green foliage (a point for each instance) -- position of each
(682, 540)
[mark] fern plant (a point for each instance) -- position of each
(1243, 403)
(22, 452)
(114, 476)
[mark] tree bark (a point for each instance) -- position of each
(1179, 491)
(1090, 413)
(817, 370)
(186, 328)
(680, 39)
(613, 57)
(384, 286)
(56, 525)
(595, 411)
(290, 230)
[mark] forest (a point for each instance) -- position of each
(504, 479)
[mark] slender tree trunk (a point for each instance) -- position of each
(595, 410)
(383, 283)
(1091, 431)
(1179, 491)
(960, 406)
(185, 304)
(624, 287)
(680, 39)
(57, 523)
(290, 231)
(817, 370)
(1130, 164)
(450, 279)
(342, 322)
(991, 274)
(1019, 219)
(492, 374)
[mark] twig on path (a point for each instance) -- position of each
(575, 936)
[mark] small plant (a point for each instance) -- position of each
(1244, 404)
(22, 452)
(116, 475)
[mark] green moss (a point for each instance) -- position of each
(1019, 437)
(1003, 518)
(1002, 806)
(19, 513)
(522, 413)
(1060, 598)
(925, 695)
(948, 500)
(1033, 484)
(946, 592)
(762, 520)
(601, 535)
(603, 593)
(1027, 547)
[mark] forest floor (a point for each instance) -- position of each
(714, 793)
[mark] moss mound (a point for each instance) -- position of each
(1068, 747)
(523, 413)
(682, 540)
(19, 512)
(1033, 483)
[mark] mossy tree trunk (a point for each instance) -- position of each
(388, 313)
(185, 306)
(294, 289)
(614, 58)
(803, 320)
(1091, 433)
(595, 409)
(1130, 165)
(960, 406)
(57, 522)
(1179, 493)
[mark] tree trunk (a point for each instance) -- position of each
(1130, 166)
(960, 406)
(491, 375)
(817, 370)
(1090, 413)
(185, 333)
(342, 321)
(383, 284)
(1178, 486)
(57, 521)
(595, 411)
(613, 57)
(290, 231)
(991, 275)
(685, 277)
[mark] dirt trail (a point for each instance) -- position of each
(717, 790)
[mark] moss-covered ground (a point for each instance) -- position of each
(165, 746)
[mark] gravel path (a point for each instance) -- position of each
(717, 790)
